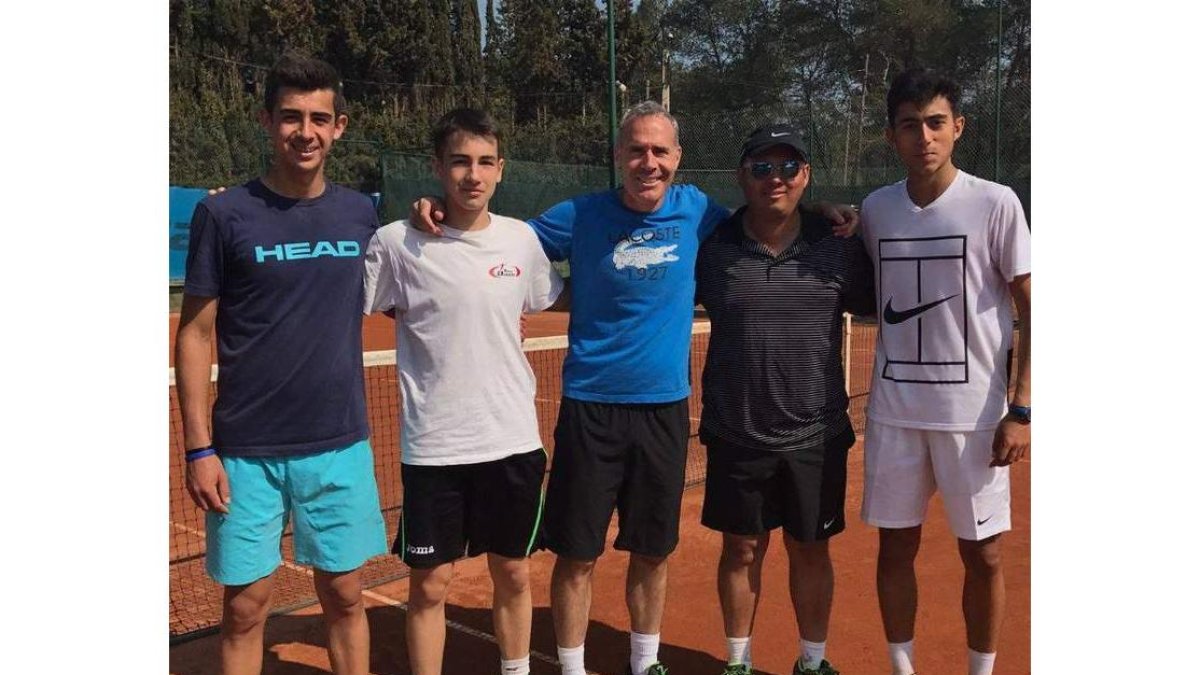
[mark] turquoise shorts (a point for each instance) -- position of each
(330, 496)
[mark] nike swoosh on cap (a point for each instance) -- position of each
(893, 317)
(775, 135)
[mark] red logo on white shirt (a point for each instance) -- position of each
(505, 270)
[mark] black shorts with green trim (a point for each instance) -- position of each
(468, 509)
(630, 457)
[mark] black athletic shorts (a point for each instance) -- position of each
(468, 509)
(630, 456)
(749, 492)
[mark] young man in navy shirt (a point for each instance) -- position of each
(275, 266)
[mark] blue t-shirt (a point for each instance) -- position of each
(632, 291)
(289, 277)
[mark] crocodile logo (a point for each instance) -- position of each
(628, 254)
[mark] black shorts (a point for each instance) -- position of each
(628, 456)
(749, 492)
(468, 509)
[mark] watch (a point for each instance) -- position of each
(1020, 412)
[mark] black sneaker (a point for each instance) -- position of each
(824, 669)
(737, 669)
(654, 669)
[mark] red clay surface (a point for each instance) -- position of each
(692, 639)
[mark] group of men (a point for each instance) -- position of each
(284, 266)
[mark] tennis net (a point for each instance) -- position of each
(195, 599)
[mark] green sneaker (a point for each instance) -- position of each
(737, 669)
(824, 669)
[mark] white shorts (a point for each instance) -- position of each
(904, 466)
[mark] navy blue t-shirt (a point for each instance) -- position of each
(289, 277)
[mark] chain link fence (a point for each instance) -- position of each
(849, 154)
(847, 148)
(844, 137)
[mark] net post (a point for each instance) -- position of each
(847, 331)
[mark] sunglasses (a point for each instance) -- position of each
(788, 169)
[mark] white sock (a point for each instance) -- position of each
(811, 654)
(515, 666)
(980, 663)
(739, 650)
(643, 651)
(571, 660)
(902, 657)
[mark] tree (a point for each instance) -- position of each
(542, 72)
(732, 51)
(468, 62)
(536, 71)
(584, 56)
(277, 26)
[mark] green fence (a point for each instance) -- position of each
(528, 188)
(849, 154)
(844, 137)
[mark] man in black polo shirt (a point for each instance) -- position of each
(775, 282)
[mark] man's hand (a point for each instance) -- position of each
(843, 217)
(208, 485)
(1011, 443)
(426, 213)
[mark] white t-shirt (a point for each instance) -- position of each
(467, 389)
(945, 318)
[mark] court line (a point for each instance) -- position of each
(402, 606)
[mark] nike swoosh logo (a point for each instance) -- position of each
(980, 522)
(775, 135)
(828, 525)
(894, 317)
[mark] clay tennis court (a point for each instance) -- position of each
(692, 638)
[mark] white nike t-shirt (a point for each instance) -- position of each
(945, 317)
(467, 389)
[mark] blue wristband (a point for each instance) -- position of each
(193, 455)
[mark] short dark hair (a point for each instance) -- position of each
(298, 71)
(470, 120)
(919, 86)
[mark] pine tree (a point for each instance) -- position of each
(537, 73)
(468, 62)
(585, 58)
